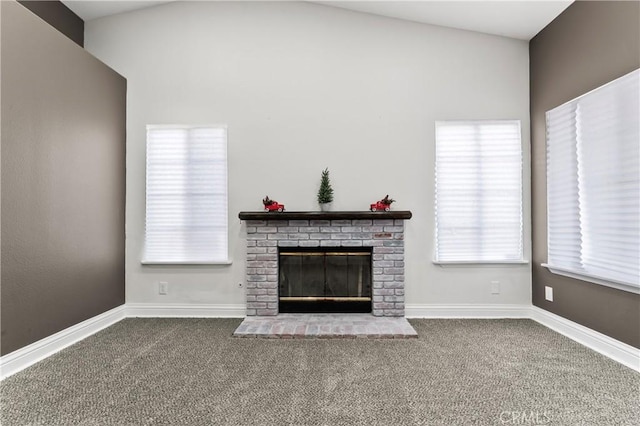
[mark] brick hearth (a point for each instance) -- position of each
(382, 231)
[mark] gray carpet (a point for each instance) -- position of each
(192, 372)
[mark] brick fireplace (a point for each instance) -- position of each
(381, 232)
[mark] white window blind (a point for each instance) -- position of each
(186, 210)
(593, 184)
(478, 198)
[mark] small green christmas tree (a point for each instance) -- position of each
(325, 193)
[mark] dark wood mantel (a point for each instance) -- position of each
(394, 214)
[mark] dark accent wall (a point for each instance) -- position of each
(59, 16)
(588, 45)
(63, 181)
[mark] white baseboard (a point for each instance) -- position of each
(466, 311)
(29, 355)
(185, 311)
(37, 351)
(612, 348)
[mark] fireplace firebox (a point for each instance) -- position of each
(324, 279)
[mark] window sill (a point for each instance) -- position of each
(186, 263)
(481, 263)
(592, 279)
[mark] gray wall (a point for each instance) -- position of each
(63, 181)
(59, 16)
(588, 45)
(300, 97)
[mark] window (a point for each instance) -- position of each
(478, 198)
(593, 185)
(186, 210)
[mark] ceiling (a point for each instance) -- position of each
(516, 19)
(93, 9)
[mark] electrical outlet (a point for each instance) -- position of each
(548, 293)
(495, 287)
(163, 287)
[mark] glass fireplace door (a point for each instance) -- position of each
(325, 281)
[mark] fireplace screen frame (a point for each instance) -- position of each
(325, 279)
